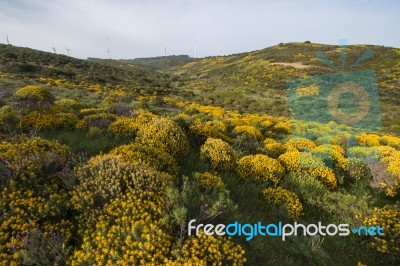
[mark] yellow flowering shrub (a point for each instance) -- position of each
(201, 130)
(296, 161)
(209, 181)
(212, 111)
(283, 127)
(334, 155)
(301, 143)
(386, 152)
(217, 125)
(280, 196)
(124, 126)
(67, 106)
(129, 232)
(143, 117)
(260, 167)
(390, 141)
(163, 133)
(218, 153)
(101, 120)
(34, 95)
(248, 131)
(365, 139)
(35, 120)
(22, 209)
(32, 195)
(211, 250)
(273, 148)
(9, 119)
(393, 168)
(106, 177)
(208, 129)
(31, 158)
(156, 158)
(388, 218)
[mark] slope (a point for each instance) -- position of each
(256, 81)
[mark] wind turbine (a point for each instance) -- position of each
(68, 49)
(54, 49)
(108, 52)
(220, 51)
(195, 50)
(165, 55)
(8, 41)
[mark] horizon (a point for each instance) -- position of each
(142, 29)
(160, 56)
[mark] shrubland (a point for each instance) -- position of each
(110, 171)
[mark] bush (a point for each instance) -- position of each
(368, 139)
(273, 148)
(9, 119)
(124, 126)
(210, 250)
(364, 154)
(281, 196)
(37, 121)
(101, 121)
(260, 167)
(34, 94)
(301, 144)
(209, 181)
(306, 162)
(248, 131)
(130, 229)
(209, 129)
(388, 218)
(341, 206)
(393, 169)
(332, 156)
(33, 159)
(67, 106)
(107, 177)
(218, 153)
(165, 134)
(156, 158)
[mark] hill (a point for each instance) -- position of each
(27, 62)
(257, 81)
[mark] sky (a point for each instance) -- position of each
(145, 28)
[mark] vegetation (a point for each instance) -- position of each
(106, 162)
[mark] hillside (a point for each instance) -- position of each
(26, 62)
(104, 162)
(257, 81)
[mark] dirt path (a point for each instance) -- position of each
(298, 65)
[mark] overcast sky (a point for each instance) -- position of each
(140, 28)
